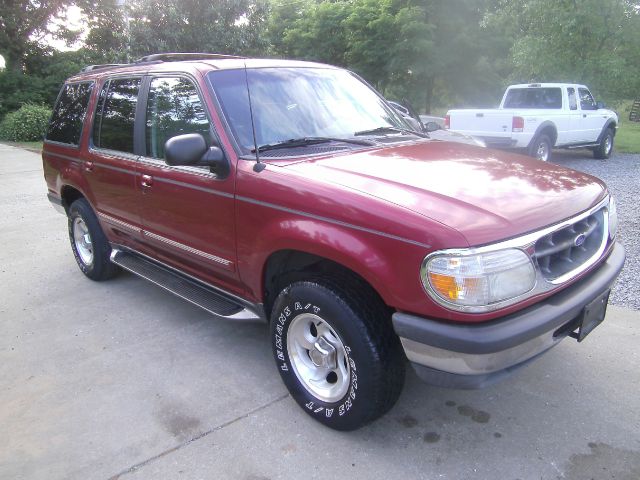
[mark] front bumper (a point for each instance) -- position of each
(473, 356)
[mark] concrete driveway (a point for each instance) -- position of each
(122, 380)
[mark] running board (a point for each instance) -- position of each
(191, 290)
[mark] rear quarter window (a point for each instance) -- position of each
(69, 113)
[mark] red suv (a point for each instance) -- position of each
(291, 192)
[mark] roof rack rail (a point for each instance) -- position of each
(89, 68)
(176, 57)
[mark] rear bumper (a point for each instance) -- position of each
(472, 356)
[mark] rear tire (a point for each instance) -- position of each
(88, 242)
(540, 148)
(337, 352)
(603, 151)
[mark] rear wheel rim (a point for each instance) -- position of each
(318, 357)
(542, 152)
(607, 145)
(82, 241)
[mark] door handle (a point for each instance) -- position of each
(88, 166)
(584, 115)
(147, 181)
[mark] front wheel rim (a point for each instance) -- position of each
(318, 357)
(607, 145)
(82, 241)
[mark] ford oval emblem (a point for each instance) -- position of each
(579, 240)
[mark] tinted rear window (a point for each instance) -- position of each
(534, 98)
(115, 117)
(68, 115)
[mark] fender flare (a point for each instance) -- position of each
(610, 124)
(541, 127)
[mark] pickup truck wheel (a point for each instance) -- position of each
(540, 148)
(88, 242)
(604, 149)
(337, 353)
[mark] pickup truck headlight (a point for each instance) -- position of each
(477, 282)
(613, 217)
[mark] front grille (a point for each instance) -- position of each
(565, 250)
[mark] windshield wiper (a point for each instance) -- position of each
(306, 141)
(390, 129)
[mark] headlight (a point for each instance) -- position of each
(477, 282)
(613, 217)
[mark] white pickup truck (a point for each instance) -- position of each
(541, 116)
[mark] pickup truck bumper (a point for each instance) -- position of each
(474, 356)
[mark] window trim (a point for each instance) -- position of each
(84, 119)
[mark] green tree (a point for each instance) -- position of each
(24, 24)
(224, 26)
(589, 41)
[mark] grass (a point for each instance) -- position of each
(37, 146)
(628, 137)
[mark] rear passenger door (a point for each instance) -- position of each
(110, 164)
(187, 212)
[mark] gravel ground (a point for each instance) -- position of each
(621, 173)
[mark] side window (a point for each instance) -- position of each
(115, 117)
(68, 116)
(573, 103)
(586, 100)
(173, 108)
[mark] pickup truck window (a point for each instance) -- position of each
(174, 108)
(115, 116)
(68, 115)
(545, 98)
(586, 100)
(573, 102)
(297, 103)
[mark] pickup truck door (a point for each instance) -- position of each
(592, 119)
(187, 212)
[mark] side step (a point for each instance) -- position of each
(198, 293)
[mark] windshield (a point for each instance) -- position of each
(546, 98)
(294, 103)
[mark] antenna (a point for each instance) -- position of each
(259, 166)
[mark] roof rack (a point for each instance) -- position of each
(161, 57)
(176, 57)
(89, 68)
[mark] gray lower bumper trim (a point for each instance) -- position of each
(518, 328)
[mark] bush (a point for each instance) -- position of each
(28, 124)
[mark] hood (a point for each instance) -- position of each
(486, 195)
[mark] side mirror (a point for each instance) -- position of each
(185, 149)
(191, 149)
(432, 127)
(600, 105)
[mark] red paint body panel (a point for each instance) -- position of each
(377, 211)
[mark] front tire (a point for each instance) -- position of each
(88, 242)
(337, 352)
(604, 149)
(540, 148)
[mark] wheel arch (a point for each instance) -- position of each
(288, 265)
(549, 128)
(70, 194)
(612, 125)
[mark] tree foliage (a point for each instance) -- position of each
(434, 53)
